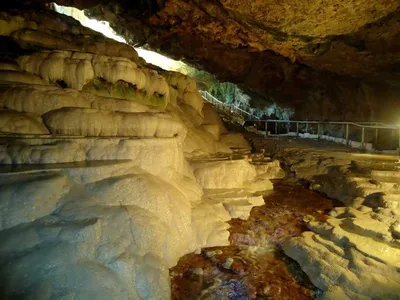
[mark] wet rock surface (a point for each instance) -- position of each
(98, 197)
(253, 265)
(354, 253)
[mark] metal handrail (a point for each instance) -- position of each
(211, 99)
(362, 125)
(358, 124)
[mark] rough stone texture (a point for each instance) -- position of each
(99, 200)
(40, 99)
(218, 175)
(198, 141)
(269, 169)
(226, 196)
(21, 123)
(354, 254)
(25, 198)
(328, 60)
(235, 140)
(93, 122)
(212, 122)
(77, 69)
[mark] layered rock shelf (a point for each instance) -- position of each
(354, 253)
(110, 170)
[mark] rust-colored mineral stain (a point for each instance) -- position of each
(253, 266)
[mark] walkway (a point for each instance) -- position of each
(369, 136)
(227, 108)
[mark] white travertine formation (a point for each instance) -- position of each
(210, 225)
(50, 30)
(11, 66)
(181, 82)
(235, 140)
(212, 123)
(218, 174)
(195, 100)
(171, 165)
(20, 77)
(93, 122)
(105, 200)
(27, 197)
(21, 123)
(270, 169)
(218, 206)
(77, 69)
(187, 89)
(40, 99)
(241, 207)
(198, 141)
(355, 253)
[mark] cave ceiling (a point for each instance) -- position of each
(271, 47)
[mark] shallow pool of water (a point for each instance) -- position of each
(253, 266)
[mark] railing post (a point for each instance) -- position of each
(393, 136)
(266, 127)
(376, 136)
(318, 129)
(347, 134)
(276, 128)
(297, 128)
(306, 127)
(363, 137)
(288, 127)
(399, 141)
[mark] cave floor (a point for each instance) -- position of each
(253, 266)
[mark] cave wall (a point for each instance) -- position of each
(330, 61)
(338, 61)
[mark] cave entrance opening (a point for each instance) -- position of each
(226, 92)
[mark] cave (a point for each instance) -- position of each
(215, 149)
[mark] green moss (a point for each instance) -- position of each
(123, 90)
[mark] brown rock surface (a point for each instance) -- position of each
(328, 60)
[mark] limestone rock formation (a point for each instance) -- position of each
(235, 140)
(355, 253)
(93, 122)
(103, 160)
(21, 123)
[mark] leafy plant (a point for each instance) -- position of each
(231, 94)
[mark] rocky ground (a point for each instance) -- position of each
(350, 251)
(253, 266)
(354, 254)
